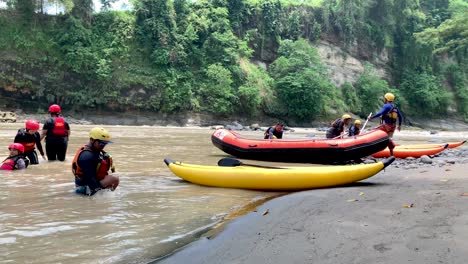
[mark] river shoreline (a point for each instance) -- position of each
(238, 123)
(396, 216)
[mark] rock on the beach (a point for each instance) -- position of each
(255, 126)
(433, 132)
(425, 159)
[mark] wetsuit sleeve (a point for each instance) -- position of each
(88, 163)
(67, 127)
(17, 138)
(38, 143)
(270, 133)
(385, 109)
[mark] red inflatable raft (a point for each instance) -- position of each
(301, 150)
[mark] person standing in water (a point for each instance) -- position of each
(30, 138)
(57, 133)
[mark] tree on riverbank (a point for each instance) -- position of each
(230, 57)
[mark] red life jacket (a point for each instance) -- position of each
(28, 146)
(9, 163)
(59, 129)
(103, 168)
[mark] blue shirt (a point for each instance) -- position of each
(384, 113)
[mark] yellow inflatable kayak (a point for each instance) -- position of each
(274, 178)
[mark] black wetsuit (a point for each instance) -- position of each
(56, 146)
(354, 131)
(88, 161)
(24, 137)
(336, 129)
(277, 134)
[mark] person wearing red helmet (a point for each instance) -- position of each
(57, 133)
(30, 138)
(16, 160)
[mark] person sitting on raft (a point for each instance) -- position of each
(338, 126)
(355, 129)
(91, 164)
(16, 160)
(274, 132)
(29, 138)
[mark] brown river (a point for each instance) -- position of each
(152, 212)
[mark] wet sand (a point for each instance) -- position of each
(398, 216)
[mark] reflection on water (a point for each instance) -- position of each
(151, 213)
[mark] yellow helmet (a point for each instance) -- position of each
(346, 116)
(357, 122)
(100, 133)
(389, 97)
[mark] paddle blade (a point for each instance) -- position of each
(229, 162)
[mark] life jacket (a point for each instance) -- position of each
(276, 134)
(392, 115)
(59, 129)
(10, 163)
(102, 168)
(24, 138)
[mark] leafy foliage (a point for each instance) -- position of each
(179, 55)
(301, 81)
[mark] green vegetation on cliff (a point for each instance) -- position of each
(209, 56)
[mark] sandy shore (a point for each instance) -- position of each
(398, 216)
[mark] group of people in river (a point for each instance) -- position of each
(389, 113)
(91, 164)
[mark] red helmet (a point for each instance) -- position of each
(32, 125)
(17, 146)
(55, 108)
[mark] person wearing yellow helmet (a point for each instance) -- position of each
(274, 132)
(338, 126)
(355, 129)
(92, 164)
(57, 133)
(390, 115)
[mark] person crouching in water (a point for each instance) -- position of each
(337, 126)
(29, 138)
(274, 132)
(91, 164)
(16, 160)
(355, 129)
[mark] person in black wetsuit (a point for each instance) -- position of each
(57, 133)
(30, 138)
(338, 126)
(91, 165)
(355, 130)
(274, 132)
